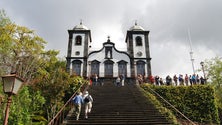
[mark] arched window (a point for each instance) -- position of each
(108, 68)
(122, 67)
(140, 65)
(76, 67)
(95, 67)
(138, 41)
(78, 40)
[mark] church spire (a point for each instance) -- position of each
(80, 21)
(108, 40)
(135, 22)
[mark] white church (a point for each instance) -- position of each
(108, 62)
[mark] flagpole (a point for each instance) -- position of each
(191, 51)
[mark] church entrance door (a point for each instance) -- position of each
(108, 68)
(95, 67)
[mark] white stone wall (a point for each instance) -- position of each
(76, 48)
(100, 56)
(139, 48)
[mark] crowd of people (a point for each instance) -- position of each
(95, 80)
(176, 80)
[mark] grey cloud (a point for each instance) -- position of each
(168, 22)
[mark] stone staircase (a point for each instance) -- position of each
(118, 105)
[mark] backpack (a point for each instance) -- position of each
(86, 99)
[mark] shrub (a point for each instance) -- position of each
(196, 102)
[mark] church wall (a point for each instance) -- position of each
(116, 57)
(76, 48)
(139, 48)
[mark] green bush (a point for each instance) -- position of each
(195, 102)
(164, 111)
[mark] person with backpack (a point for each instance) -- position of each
(88, 100)
(122, 79)
(77, 101)
(118, 81)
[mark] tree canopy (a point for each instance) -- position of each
(20, 49)
(47, 84)
(214, 74)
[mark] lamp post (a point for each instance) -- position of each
(202, 65)
(11, 85)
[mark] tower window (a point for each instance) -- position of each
(78, 40)
(138, 41)
(77, 53)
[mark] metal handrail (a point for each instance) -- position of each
(172, 106)
(60, 116)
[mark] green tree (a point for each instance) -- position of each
(47, 82)
(214, 71)
(214, 75)
(20, 49)
(5, 37)
(26, 106)
(55, 84)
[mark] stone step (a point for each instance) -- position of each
(119, 106)
(99, 118)
(133, 122)
(118, 122)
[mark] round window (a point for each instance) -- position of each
(77, 53)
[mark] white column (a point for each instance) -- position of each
(89, 69)
(135, 68)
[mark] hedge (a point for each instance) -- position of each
(195, 102)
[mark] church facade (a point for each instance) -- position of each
(108, 62)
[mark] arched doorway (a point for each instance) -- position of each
(95, 67)
(140, 66)
(108, 65)
(122, 68)
(76, 67)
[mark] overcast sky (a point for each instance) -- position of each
(168, 21)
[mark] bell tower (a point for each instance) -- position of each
(138, 48)
(78, 49)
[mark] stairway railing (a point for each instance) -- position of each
(60, 116)
(192, 123)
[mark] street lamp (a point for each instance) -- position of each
(11, 85)
(202, 65)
